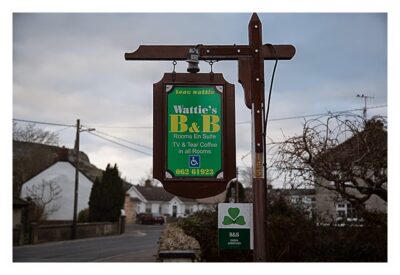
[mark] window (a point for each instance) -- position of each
(148, 208)
(346, 212)
(351, 212)
(341, 214)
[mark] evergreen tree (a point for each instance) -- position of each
(107, 196)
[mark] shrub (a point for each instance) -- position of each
(173, 238)
(292, 237)
(203, 227)
(83, 215)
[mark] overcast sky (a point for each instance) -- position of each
(70, 66)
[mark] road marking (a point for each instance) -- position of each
(126, 255)
(139, 233)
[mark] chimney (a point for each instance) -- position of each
(63, 154)
(148, 183)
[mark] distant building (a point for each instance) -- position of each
(34, 163)
(62, 173)
(331, 207)
(366, 154)
(302, 198)
(156, 200)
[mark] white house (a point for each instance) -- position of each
(158, 201)
(61, 173)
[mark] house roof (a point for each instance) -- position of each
(155, 193)
(372, 140)
(214, 199)
(30, 159)
(294, 192)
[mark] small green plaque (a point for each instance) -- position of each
(194, 131)
(234, 238)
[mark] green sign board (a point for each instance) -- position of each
(194, 131)
(194, 150)
(235, 226)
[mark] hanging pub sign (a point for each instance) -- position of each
(194, 152)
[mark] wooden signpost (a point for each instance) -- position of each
(251, 75)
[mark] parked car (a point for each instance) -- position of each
(148, 218)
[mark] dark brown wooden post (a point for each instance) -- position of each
(257, 107)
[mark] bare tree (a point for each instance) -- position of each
(31, 133)
(245, 176)
(344, 150)
(44, 195)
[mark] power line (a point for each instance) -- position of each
(327, 113)
(62, 129)
(131, 142)
(238, 123)
(247, 122)
(122, 127)
(45, 123)
(109, 140)
(120, 144)
(313, 115)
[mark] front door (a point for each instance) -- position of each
(174, 210)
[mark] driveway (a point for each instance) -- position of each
(139, 243)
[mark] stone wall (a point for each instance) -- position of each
(130, 206)
(62, 232)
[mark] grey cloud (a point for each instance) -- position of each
(69, 66)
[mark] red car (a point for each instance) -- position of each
(147, 218)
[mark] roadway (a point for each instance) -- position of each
(139, 243)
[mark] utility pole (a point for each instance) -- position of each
(365, 104)
(76, 192)
(74, 223)
(251, 76)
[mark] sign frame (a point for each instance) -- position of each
(194, 187)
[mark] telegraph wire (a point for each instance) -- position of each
(62, 129)
(314, 115)
(238, 123)
(66, 126)
(149, 127)
(120, 144)
(247, 122)
(124, 140)
(122, 127)
(44, 123)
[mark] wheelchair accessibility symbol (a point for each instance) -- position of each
(194, 161)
